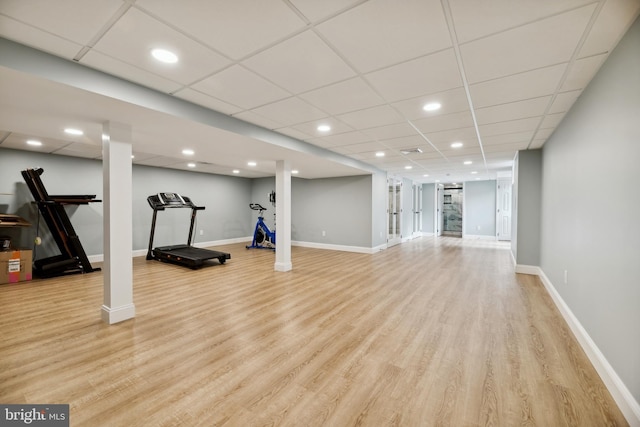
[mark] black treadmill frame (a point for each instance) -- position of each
(186, 255)
(72, 258)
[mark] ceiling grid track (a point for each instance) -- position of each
(456, 48)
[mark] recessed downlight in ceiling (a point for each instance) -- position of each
(457, 145)
(34, 143)
(380, 154)
(164, 55)
(323, 128)
(236, 171)
(251, 164)
(432, 106)
(191, 165)
(295, 172)
(73, 131)
(188, 152)
(468, 162)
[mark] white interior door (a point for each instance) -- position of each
(417, 209)
(439, 206)
(394, 211)
(503, 219)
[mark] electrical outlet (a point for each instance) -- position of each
(566, 277)
(324, 233)
(202, 232)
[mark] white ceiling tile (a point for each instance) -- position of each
(349, 95)
(80, 150)
(518, 87)
(239, 86)
(129, 72)
(475, 19)
(235, 28)
(206, 101)
(430, 74)
(293, 133)
(315, 10)
(41, 40)
(290, 111)
(544, 133)
(452, 101)
(611, 24)
(507, 138)
(512, 126)
(563, 101)
(546, 42)
(310, 128)
(510, 147)
(453, 135)
(300, 64)
(404, 142)
(159, 161)
(513, 110)
(444, 122)
(74, 20)
(379, 33)
(18, 141)
(390, 131)
(363, 147)
(346, 138)
(581, 72)
(552, 120)
(371, 117)
(133, 36)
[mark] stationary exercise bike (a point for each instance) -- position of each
(263, 238)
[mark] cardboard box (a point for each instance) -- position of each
(15, 266)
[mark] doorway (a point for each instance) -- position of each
(394, 211)
(503, 212)
(452, 210)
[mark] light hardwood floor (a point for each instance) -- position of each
(431, 332)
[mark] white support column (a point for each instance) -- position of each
(118, 223)
(283, 216)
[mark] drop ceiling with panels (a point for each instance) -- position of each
(505, 73)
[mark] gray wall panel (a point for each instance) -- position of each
(590, 223)
(480, 208)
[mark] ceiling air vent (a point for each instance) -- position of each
(411, 151)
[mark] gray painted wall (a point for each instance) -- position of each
(226, 200)
(480, 208)
(590, 209)
(527, 193)
(379, 192)
(341, 207)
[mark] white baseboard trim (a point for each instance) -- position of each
(528, 269)
(629, 407)
(112, 315)
(478, 237)
(344, 248)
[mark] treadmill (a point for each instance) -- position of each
(185, 255)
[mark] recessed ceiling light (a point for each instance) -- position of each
(408, 167)
(468, 162)
(380, 154)
(251, 163)
(432, 106)
(191, 165)
(295, 171)
(457, 145)
(474, 172)
(132, 156)
(188, 152)
(324, 128)
(165, 56)
(34, 142)
(236, 171)
(72, 131)
(425, 175)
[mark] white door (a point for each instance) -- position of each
(394, 211)
(503, 219)
(439, 206)
(417, 210)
